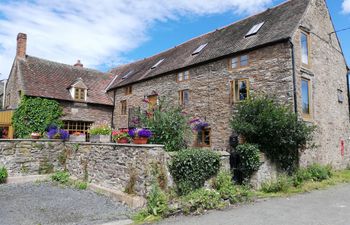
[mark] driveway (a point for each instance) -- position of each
(326, 207)
(46, 204)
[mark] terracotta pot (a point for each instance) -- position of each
(140, 140)
(123, 141)
(35, 136)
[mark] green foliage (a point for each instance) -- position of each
(35, 115)
(61, 177)
(192, 167)
(274, 127)
(81, 185)
(282, 184)
(227, 190)
(157, 201)
(200, 200)
(100, 129)
(314, 172)
(168, 124)
(250, 159)
(3, 175)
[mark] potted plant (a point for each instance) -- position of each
(140, 136)
(57, 133)
(77, 137)
(100, 133)
(35, 135)
(121, 136)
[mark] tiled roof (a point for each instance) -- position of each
(43, 78)
(280, 23)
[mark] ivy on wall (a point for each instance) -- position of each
(35, 115)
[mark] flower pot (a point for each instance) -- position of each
(123, 141)
(99, 138)
(75, 138)
(241, 139)
(35, 136)
(140, 140)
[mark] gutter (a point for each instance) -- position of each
(112, 119)
(294, 78)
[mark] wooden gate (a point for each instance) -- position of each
(6, 128)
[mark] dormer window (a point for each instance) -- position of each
(199, 49)
(79, 94)
(157, 64)
(254, 30)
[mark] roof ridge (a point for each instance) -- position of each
(202, 35)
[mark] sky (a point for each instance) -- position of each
(106, 33)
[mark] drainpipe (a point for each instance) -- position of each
(112, 120)
(294, 78)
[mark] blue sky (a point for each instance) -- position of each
(105, 34)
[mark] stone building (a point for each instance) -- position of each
(80, 91)
(290, 51)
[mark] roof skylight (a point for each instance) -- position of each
(157, 64)
(254, 29)
(128, 74)
(199, 49)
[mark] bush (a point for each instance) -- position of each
(3, 175)
(200, 200)
(274, 127)
(282, 184)
(191, 168)
(157, 201)
(314, 172)
(100, 129)
(168, 124)
(61, 177)
(81, 185)
(250, 159)
(35, 115)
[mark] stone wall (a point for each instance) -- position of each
(13, 86)
(269, 71)
(108, 165)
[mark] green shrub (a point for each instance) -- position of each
(157, 201)
(61, 177)
(35, 115)
(168, 124)
(250, 159)
(200, 200)
(319, 173)
(300, 176)
(282, 184)
(100, 129)
(191, 168)
(81, 185)
(274, 127)
(3, 175)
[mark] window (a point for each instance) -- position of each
(77, 127)
(157, 64)
(79, 94)
(123, 107)
(184, 97)
(183, 76)
(305, 98)
(239, 90)
(254, 29)
(239, 61)
(203, 138)
(128, 90)
(199, 49)
(340, 96)
(127, 75)
(304, 38)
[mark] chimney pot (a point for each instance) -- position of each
(78, 64)
(21, 45)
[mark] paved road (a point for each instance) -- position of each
(326, 207)
(45, 204)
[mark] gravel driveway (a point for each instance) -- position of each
(47, 204)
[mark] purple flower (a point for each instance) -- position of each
(132, 132)
(64, 135)
(194, 121)
(52, 132)
(144, 133)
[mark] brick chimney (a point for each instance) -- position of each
(21, 45)
(78, 64)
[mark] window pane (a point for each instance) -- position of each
(179, 76)
(305, 96)
(304, 49)
(244, 60)
(186, 75)
(234, 62)
(207, 137)
(243, 90)
(199, 137)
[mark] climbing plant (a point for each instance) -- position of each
(35, 115)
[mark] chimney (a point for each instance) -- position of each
(78, 64)
(21, 45)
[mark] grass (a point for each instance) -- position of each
(338, 177)
(63, 178)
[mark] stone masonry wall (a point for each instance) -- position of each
(108, 165)
(269, 71)
(77, 111)
(327, 74)
(13, 86)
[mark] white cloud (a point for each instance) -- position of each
(95, 31)
(346, 6)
